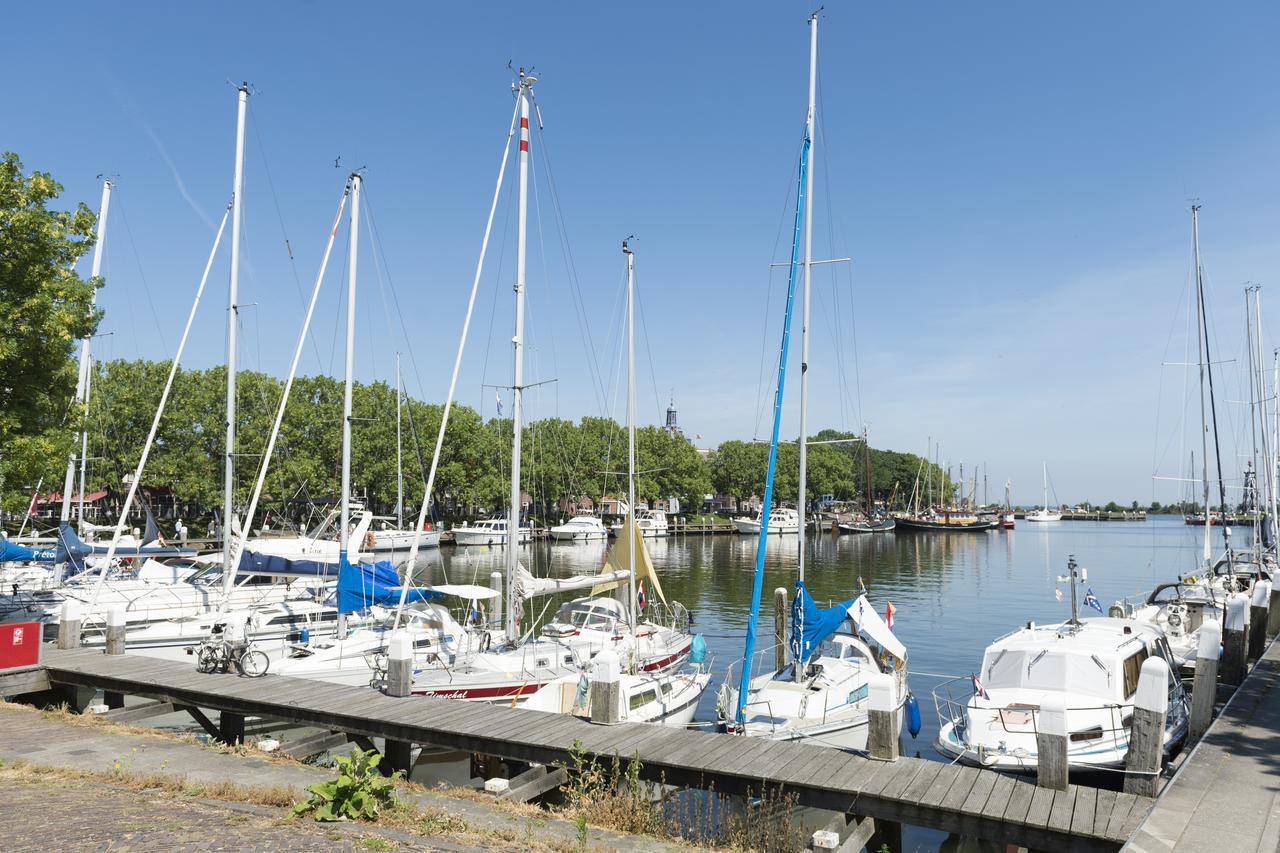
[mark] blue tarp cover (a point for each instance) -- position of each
(816, 623)
(360, 586)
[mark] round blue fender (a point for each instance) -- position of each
(913, 715)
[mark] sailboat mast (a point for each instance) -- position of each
(1269, 479)
(1045, 469)
(86, 370)
(233, 322)
(631, 435)
(1251, 500)
(399, 465)
(1200, 342)
(802, 503)
(524, 89)
(353, 245)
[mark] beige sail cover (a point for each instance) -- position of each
(617, 562)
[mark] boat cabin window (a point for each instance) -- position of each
(642, 698)
(595, 618)
(1132, 669)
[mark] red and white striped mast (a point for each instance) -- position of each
(524, 91)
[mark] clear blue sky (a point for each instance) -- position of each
(1011, 179)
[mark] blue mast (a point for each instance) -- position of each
(758, 581)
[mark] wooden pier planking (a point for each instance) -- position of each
(948, 797)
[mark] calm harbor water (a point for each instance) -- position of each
(953, 593)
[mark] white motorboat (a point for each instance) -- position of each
(781, 520)
(393, 542)
(827, 704)
(580, 528)
(1092, 665)
(490, 531)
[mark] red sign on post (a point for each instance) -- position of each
(19, 645)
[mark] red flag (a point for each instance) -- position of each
(640, 599)
(889, 610)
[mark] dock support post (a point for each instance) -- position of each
(396, 755)
(231, 728)
(606, 688)
(1235, 663)
(1258, 618)
(69, 625)
(399, 665)
(1051, 743)
(1205, 688)
(1273, 612)
(115, 630)
(1146, 733)
(495, 613)
(882, 714)
(779, 628)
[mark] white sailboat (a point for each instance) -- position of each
(1043, 513)
(821, 696)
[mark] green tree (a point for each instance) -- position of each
(45, 307)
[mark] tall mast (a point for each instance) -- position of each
(1251, 500)
(399, 466)
(86, 370)
(1045, 468)
(803, 501)
(523, 92)
(1267, 448)
(233, 321)
(631, 434)
(1201, 343)
(353, 245)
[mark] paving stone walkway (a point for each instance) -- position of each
(49, 742)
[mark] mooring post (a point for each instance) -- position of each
(606, 688)
(231, 728)
(69, 625)
(779, 628)
(495, 613)
(1258, 606)
(1146, 733)
(1235, 629)
(399, 665)
(396, 755)
(1204, 690)
(882, 714)
(1273, 611)
(1051, 743)
(115, 630)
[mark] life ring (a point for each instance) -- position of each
(370, 539)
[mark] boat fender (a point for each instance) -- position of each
(913, 715)
(698, 650)
(304, 636)
(486, 641)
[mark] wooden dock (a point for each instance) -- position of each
(1225, 795)
(909, 790)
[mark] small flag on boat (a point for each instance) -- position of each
(640, 599)
(889, 610)
(1091, 600)
(1057, 593)
(498, 398)
(978, 689)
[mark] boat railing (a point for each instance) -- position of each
(671, 615)
(953, 705)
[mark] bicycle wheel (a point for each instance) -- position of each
(206, 659)
(253, 663)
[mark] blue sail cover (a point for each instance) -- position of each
(253, 563)
(11, 553)
(818, 622)
(361, 586)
